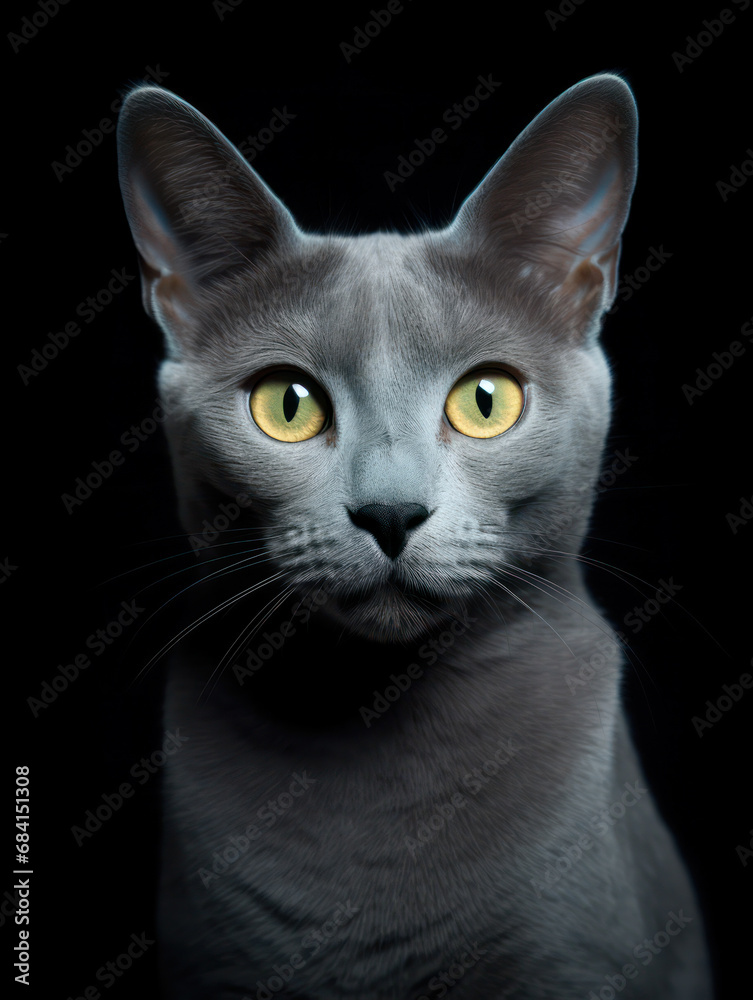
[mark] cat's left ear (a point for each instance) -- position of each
(199, 214)
(553, 208)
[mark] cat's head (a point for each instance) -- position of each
(413, 417)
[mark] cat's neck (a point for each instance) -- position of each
(500, 665)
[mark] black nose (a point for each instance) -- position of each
(389, 523)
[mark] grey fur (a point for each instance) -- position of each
(386, 324)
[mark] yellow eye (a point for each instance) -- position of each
(484, 403)
(289, 406)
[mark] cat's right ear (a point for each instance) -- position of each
(550, 213)
(198, 212)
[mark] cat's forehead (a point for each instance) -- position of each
(381, 306)
(386, 299)
(420, 306)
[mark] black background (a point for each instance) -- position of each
(664, 518)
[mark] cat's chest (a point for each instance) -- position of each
(337, 894)
(327, 822)
(338, 863)
(386, 866)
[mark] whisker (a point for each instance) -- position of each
(219, 573)
(632, 657)
(187, 552)
(179, 555)
(246, 634)
(202, 618)
(517, 597)
(623, 574)
(549, 625)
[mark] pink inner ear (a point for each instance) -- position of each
(165, 293)
(588, 250)
(558, 200)
(173, 295)
(580, 297)
(598, 222)
(153, 240)
(583, 283)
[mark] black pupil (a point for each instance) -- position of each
(290, 403)
(484, 401)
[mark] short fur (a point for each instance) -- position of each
(386, 324)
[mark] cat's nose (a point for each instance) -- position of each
(389, 523)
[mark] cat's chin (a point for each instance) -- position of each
(389, 615)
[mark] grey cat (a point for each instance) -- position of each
(390, 788)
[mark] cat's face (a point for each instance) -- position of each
(414, 418)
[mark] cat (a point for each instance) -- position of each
(387, 789)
